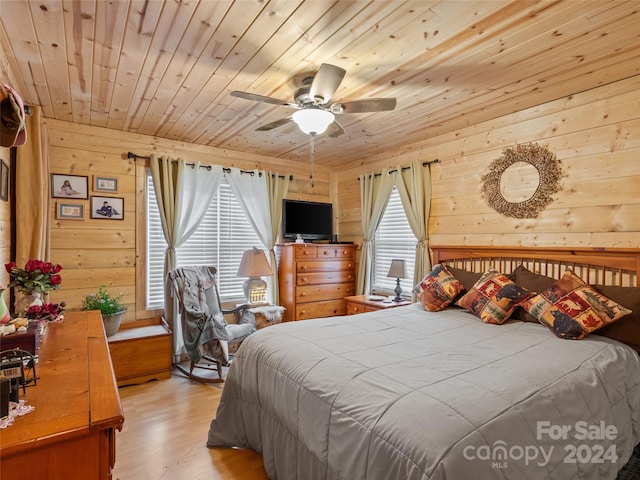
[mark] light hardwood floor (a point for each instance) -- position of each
(165, 433)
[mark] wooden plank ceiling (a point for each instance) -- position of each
(167, 68)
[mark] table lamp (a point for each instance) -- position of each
(254, 265)
(397, 270)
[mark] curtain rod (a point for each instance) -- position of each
(424, 164)
(208, 167)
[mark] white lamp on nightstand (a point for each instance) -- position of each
(254, 265)
(398, 269)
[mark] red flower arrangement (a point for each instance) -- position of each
(36, 276)
(46, 311)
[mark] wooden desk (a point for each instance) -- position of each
(71, 433)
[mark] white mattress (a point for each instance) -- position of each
(409, 394)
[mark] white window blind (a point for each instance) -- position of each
(220, 240)
(394, 240)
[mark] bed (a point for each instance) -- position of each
(410, 394)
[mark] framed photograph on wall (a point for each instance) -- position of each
(4, 180)
(69, 186)
(110, 208)
(69, 211)
(105, 184)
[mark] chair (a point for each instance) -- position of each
(206, 334)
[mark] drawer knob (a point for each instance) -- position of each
(305, 279)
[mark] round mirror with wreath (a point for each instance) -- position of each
(549, 173)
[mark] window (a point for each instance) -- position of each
(394, 240)
(220, 240)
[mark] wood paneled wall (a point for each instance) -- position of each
(596, 136)
(108, 252)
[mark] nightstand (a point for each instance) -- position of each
(360, 304)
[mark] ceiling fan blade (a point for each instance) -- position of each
(365, 105)
(261, 98)
(325, 82)
(272, 125)
(334, 129)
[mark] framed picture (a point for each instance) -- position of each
(4, 181)
(69, 186)
(107, 208)
(105, 184)
(69, 211)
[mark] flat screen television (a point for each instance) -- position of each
(312, 220)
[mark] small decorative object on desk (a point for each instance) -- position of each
(4, 310)
(16, 409)
(110, 307)
(48, 312)
(34, 280)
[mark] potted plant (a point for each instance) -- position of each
(110, 307)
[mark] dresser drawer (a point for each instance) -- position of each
(340, 276)
(303, 252)
(314, 293)
(324, 266)
(328, 308)
(334, 251)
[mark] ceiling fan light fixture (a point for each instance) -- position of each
(313, 121)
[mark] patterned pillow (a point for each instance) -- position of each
(571, 309)
(438, 289)
(494, 297)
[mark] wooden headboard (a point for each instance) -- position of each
(610, 266)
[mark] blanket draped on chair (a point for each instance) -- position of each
(199, 324)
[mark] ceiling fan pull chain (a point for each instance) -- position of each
(312, 154)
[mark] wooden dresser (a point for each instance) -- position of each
(70, 435)
(315, 278)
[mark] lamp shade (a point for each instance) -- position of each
(254, 264)
(398, 269)
(313, 121)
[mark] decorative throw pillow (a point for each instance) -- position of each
(438, 289)
(467, 278)
(494, 297)
(627, 329)
(572, 309)
(531, 281)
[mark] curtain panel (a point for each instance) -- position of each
(374, 196)
(260, 195)
(414, 187)
(183, 193)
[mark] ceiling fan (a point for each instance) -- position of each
(313, 113)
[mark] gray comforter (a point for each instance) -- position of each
(408, 394)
